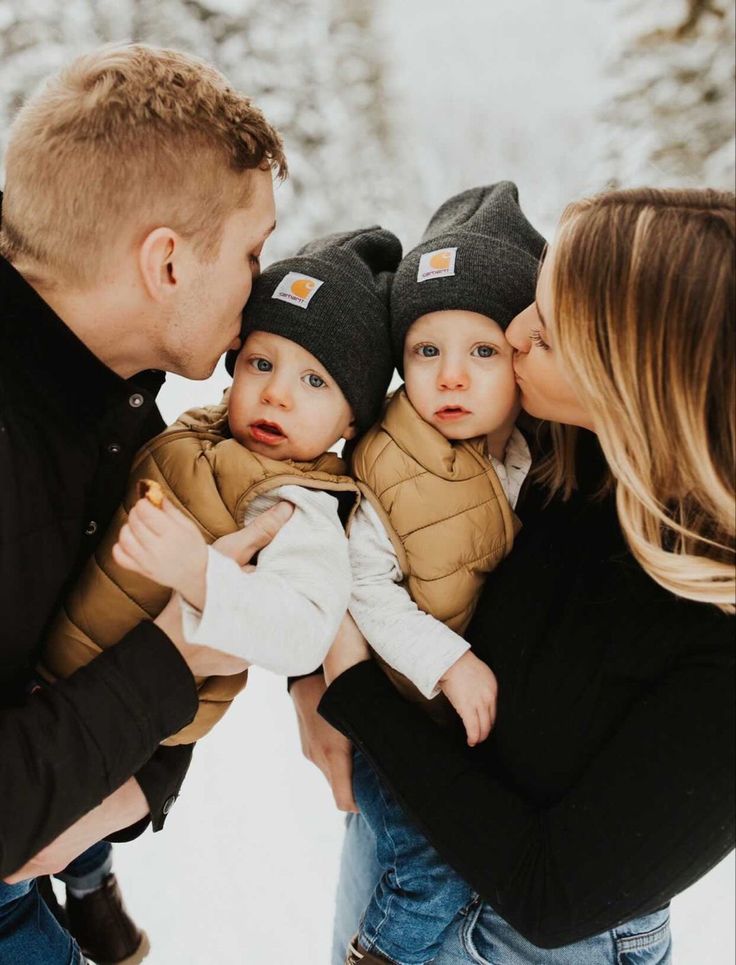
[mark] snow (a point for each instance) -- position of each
(388, 108)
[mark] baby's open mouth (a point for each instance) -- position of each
(448, 412)
(269, 432)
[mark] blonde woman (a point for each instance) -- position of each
(607, 785)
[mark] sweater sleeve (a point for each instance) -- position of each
(283, 615)
(652, 812)
(409, 640)
(69, 746)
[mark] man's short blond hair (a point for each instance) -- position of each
(123, 140)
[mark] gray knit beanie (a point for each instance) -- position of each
(332, 299)
(479, 254)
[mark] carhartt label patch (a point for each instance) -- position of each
(297, 289)
(437, 264)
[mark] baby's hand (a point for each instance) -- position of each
(165, 546)
(470, 686)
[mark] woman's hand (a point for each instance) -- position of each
(348, 648)
(324, 746)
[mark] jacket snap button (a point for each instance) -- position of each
(113, 448)
(136, 400)
(169, 803)
(91, 528)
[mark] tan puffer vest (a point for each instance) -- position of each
(444, 509)
(210, 477)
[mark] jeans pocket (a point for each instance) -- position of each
(645, 941)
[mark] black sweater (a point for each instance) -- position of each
(607, 786)
(69, 429)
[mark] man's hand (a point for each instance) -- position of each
(242, 547)
(470, 686)
(321, 743)
(166, 546)
(202, 661)
(122, 808)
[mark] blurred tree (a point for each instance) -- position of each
(314, 66)
(670, 116)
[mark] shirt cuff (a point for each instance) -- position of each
(203, 626)
(428, 677)
(161, 778)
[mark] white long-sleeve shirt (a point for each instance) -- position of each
(411, 641)
(284, 614)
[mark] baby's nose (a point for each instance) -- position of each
(276, 393)
(453, 378)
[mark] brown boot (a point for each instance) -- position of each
(103, 928)
(358, 956)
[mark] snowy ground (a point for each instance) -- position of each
(246, 870)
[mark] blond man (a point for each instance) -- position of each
(138, 197)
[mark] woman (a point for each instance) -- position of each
(607, 786)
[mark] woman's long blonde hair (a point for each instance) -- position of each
(644, 304)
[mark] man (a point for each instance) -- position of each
(138, 198)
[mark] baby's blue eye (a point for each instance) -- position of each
(315, 381)
(262, 365)
(484, 351)
(428, 351)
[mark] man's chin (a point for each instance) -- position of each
(196, 371)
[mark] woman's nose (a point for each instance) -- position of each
(517, 334)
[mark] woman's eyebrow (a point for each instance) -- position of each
(539, 312)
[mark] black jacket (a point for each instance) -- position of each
(69, 428)
(607, 785)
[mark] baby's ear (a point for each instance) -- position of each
(350, 431)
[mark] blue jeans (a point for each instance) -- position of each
(479, 936)
(418, 895)
(89, 869)
(29, 933)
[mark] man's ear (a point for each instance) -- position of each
(159, 263)
(350, 432)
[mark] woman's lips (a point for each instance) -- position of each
(450, 413)
(269, 432)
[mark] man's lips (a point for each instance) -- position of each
(269, 432)
(448, 413)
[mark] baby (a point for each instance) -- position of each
(440, 474)
(314, 368)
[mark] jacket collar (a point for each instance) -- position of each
(427, 446)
